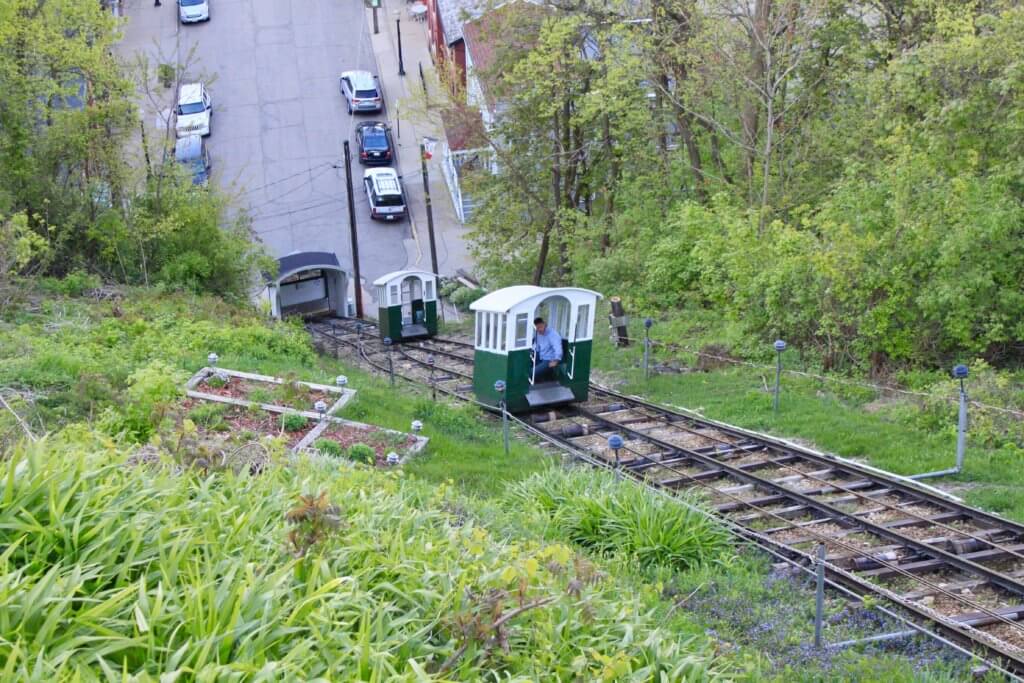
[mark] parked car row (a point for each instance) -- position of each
(193, 117)
(362, 93)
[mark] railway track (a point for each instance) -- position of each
(958, 567)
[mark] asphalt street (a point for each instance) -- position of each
(279, 121)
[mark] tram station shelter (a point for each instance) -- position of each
(407, 305)
(306, 283)
(503, 343)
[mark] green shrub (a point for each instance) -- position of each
(216, 382)
(293, 422)
(165, 73)
(75, 283)
(611, 517)
(152, 390)
(328, 447)
(360, 452)
(464, 296)
(209, 414)
(261, 395)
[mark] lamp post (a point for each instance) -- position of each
(615, 443)
(391, 365)
(780, 346)
(417, 426)
(321, 409)
(212, 360)
(341, 381)
(499, 387)
(398, 31)
(648, 322)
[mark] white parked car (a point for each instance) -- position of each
(194, 110)
(193, 11)
(384, 191)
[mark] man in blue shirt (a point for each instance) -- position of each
(547, 344)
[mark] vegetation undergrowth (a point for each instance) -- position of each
(312, 569)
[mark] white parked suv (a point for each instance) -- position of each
(384, 191)
(193, 111)
(192, 11)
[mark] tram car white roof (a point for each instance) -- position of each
(522, 297)
(504, 318)
(400, 275)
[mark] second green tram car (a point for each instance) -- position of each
(407, 305)
(505, 340)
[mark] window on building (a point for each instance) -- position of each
(394, 295)
(428, 290)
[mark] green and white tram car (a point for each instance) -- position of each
(504, 345)
(407, 305)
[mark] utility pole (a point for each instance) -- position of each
(430, 210)
(354, 232)
(376, 27)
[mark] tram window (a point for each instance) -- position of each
(394, 295)
(503, 331)
(428, 290)
(582, 321)
(494, 331)
(381, 293)
(522, 323)
(479, 329)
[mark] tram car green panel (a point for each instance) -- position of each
(504, 336)
(407, 307)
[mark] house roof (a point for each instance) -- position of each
(512, 25)
(453, 14)
(463, 128)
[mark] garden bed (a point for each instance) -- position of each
(335, 438)
(273, 394)
(240, 424)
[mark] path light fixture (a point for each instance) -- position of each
(960, 373)
(393, 458)
(321, 408)
(391, 365)
(780, 346)
(616, 443)
(417, 426)
(648, 323)
(341, 381)
(212, 359)
(500, 387)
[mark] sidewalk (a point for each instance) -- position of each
(405, 94)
